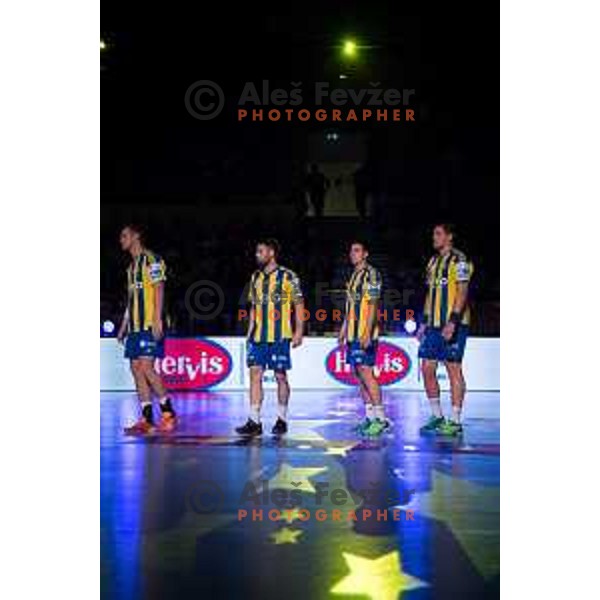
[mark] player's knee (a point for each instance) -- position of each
(147, 367)
(137, 368)
(281, 377)
(255, 374)
(454, 372)
(428, 368)
(364, 373)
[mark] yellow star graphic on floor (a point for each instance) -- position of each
(471, 511)
(303, 430)
(377, 578)
(295, 478)
(340, 450)
(286, 536)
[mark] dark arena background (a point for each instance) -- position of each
(200, 511)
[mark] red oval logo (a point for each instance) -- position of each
(193, 364)
(392, 364)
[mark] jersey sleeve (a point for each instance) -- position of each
(292, 288)
(463, 269)
(429, 271)
(157, 271)
(373, 285)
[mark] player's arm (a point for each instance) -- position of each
(251, 298)
(373, 296)
(157, 272)
(157, 323)
(460, 301)
(298, 300)
(463, 275)
(124, 325)
(251, 321)
(343, 335)
(299, 326)
(423, 326)
(365, 340)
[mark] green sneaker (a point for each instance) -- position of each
(432, 425)
(376, 428)
(449, 428)
(361, 427)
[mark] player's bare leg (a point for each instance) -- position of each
(256, 391)
(457, 389)
(146, 423)
(366, 397)
(253, 426)
(364, 393)
(153, 378)
(432, 390)
(432, 386)
(370, 383)
(283, 399)
(168, 421)
(376, 422)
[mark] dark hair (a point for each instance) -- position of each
(270, 243)
(137, 228)
(447, 227)
(362, 243)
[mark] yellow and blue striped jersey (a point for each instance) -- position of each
(444, 273)
(363, 291)
(272, 295)
(143, 274)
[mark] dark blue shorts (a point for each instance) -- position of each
(141, 344)
(357, 356)
(435, 347)
(269, 355)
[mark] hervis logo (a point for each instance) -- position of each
(193, 364)
(392, 364)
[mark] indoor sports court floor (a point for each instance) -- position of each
(171, 525)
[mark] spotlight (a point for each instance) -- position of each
(102, 44)
(108, 327)
(410, 326)
(350, 48)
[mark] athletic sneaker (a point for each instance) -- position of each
(140, 428)
(432, 425)
(168, 421)
(361, 427)
(376, 427)
(450, 428)
(250, 428)
(280, 427)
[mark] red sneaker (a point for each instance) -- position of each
(140, 428)
(168, 422)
